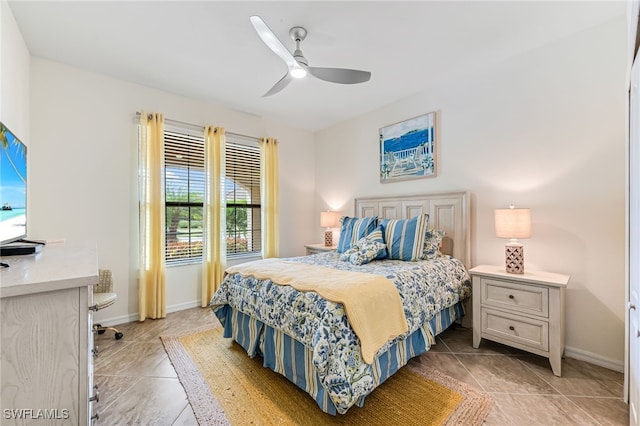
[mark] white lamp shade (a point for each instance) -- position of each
(513, 223)
(329, 219)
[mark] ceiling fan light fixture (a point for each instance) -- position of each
(297, 65)
(298, 72)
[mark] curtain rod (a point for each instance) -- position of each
(197, 126)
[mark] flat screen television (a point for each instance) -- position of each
(13, 187)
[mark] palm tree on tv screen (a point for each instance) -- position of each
(4, 140)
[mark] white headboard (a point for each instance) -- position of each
(448, 212)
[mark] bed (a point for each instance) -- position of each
(287, 312)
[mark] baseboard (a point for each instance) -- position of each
(591, 358)
(183, 306)
(113, 321)
(110, 322)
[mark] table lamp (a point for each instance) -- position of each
(513, 223)
(329, 220)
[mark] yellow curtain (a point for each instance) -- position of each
(269, 195)
(151, 289)
(214, 256)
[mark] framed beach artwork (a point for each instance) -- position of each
(408, 149)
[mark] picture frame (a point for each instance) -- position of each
(408, 149)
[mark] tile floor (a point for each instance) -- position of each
(138, 385)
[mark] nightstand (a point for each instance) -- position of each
(524, 311)
(318, 248)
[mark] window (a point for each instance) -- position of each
(242, 187)
(184, 194)
(185, 191)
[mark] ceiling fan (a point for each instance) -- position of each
(297, 64)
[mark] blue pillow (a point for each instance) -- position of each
(353, 229)
(405, 237)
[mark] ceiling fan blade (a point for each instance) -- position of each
(340, 75)
(272, 41)
(279, 85)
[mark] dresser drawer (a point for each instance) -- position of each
(517, 329)
(517, 297)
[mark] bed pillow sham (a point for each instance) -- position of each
(405, 237)
(354, 228)
(432, 243)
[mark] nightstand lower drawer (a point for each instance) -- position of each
(517, 329)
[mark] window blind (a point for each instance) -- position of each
(184, 194)
(242, 188)
(185, 191)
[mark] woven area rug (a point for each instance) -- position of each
(225, 386)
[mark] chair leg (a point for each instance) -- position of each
(101, 330)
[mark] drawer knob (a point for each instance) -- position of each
(511, 328)
(511, 296)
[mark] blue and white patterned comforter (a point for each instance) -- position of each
(425, 288)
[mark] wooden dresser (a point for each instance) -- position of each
(46, 338)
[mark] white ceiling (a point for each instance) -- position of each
(209, 50)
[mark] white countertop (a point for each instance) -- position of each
(57, 266)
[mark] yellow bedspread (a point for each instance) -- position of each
(371, 302)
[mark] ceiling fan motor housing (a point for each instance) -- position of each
(299, 57)
(297, 64)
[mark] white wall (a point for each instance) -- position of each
(83, 176)
(14, 76)
(545, 130)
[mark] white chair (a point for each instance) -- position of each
(103, 296)
(403, 159)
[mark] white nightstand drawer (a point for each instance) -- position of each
(519, 297)
(518, 329)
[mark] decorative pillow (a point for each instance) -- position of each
(367, 251)
(405, 237)
(346, 255)
(362, 250)
(378, 236)
(432, 242)
(353, 229)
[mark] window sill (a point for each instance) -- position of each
(233, 260)
(243, 258)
